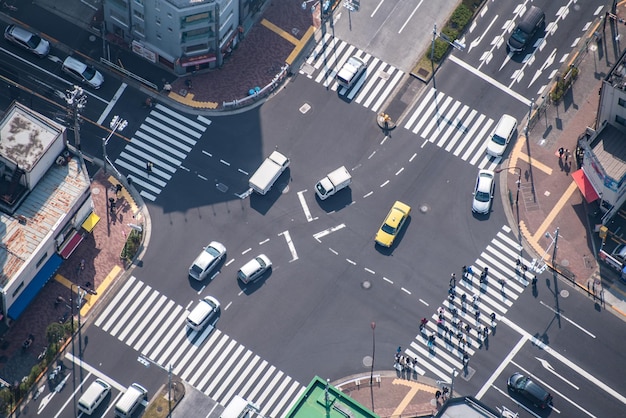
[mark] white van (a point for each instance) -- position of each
(206, 311)
(238, 407)
(93, 396)
(351, 71)
(333, 182)
(501, 136)
(130, 401)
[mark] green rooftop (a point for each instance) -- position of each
(323, 400)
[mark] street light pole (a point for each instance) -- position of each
(117, 124)
(373, 325)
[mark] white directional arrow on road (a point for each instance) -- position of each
(545, 65)
(328, 231)
(476, 41)
(549, 368)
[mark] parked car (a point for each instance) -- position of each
(82, 72)
(207, 260)
(483, 191)
(392, 224)
(27, 40)
(523, 385)
(254, 269)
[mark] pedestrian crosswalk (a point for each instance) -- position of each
(452, 126)
(158, 148)
(506, 280)
(209, 360)
(371, 90)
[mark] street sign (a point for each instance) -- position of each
(352, 5)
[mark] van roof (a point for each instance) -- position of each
(530, 19)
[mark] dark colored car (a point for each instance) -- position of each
(521, 384)
(523, 33)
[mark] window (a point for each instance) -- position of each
(621, 102)
(139, 2)
(42, 259)
(197, 34)
(18, 289)
(138, 14)
(620, 120)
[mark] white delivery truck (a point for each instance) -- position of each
(264, 177)
(238, 407)
(333, 182)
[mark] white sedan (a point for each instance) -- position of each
(483, 192)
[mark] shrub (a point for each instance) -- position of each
(461, 16)
(131, 246)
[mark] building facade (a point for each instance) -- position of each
(601, 152)
(45, 199)
(183, 35)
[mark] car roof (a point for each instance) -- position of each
(20, 32)
(75, 64)
(530, 19)
(397, 212)
(485, 179)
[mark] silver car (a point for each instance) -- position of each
(254, 269)
(27, 40)
(483, 192)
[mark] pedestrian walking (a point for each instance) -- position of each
(477, 315)
(437, 395)
(567, 155)
(149, 166)
(399, 350)
(423, 323)
(502, 284)
(468, 329)
(464, 272)
(561, 152)
(453, 281)
(445, 393)
(470, 273)
(463, 300)
(493, 319)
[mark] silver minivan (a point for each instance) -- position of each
(130, 401)
(93, 396)
(351, 71)
(82, 72)
(205, 312)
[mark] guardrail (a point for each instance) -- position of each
(261, 93)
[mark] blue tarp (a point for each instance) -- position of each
(33, 288)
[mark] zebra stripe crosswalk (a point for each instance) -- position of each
(372, 89)
(501, 256)
(209, 360)
(452, 126)
(164, 139)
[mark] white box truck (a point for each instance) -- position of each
(238, 407)
(264, 177)
(333, 182)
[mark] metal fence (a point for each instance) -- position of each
(261, 93)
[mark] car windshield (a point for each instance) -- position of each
(89, 72)
(520, 36)
(320, 189)
(213, 251)
(34, 42)
(196, 269)
(521, 383)
(389, 229)
(261, 262)
(482, 196)
(498, 139)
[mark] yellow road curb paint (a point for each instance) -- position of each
(618, 310)
(301, 44)
(92, 299)
(279, 31)
(555, 211)
(188, 100)
(415, 387)
(517, 149)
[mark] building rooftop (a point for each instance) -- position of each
(325, 401)
(25, 137)
(617, 75)
(46, 205)
(609, 147)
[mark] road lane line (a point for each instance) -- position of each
(411, 16)
(305, 207)
(489, 80)
(502, 365)
(377, 7)
(112, 103)
(565, 361)
(387, 280)
(325, 232)
(568, 320)
(292, 248)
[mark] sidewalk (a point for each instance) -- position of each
(100, 251)
(548, 197)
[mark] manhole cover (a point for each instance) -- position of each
(564, 293)
(367, 361)
(305, 108)
(222, 187)
(423, 72)
(565, 263)
(307, 69)
(95, 191)
(593, 47)
(366, 284)
(424, 208)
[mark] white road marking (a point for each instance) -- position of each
(400, 171)
(369, 270)
(112, 103)
(305, 207)
(325, 232)
(424, 302)
(405, 291)
(264, 241)
(387, 280)
(489, 80)
(384, 184)
(411, 16)
(502, 365)
(292, 248)
(225, 163)
(245, 173)
(568, 320)
(377, 7)
(367, 194)
(412, 157)
(549, 368)
(207, 153)
(246, 251)
(350, 261)
(333, 251)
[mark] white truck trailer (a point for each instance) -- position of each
(333, 182)
(264, 177)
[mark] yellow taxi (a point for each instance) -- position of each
(393, 224)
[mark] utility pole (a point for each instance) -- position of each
(76, 99)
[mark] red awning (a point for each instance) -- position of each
(71, 244)
(197, 60)
(585, 186)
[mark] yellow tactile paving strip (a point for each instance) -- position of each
(415, 387)
(91, 300)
